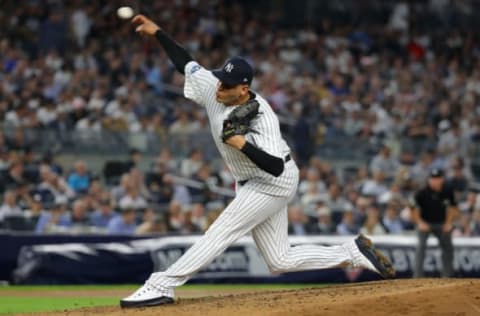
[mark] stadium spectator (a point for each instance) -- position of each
(133, 199)
(324, 224)
(384, 162)
(375, 186)
(124, 224)
(15, 176)
(187, 226)
(153, 223)
(174, 216)
(297, 221)
(36, 208)
(103, 214)
(372, 225)
(79, 179)
(72, 82)
(9, 206)
(79, 218)
(56, 220)
(119, 191)
(347, 226)
(475, 224)
(335, 200)
(53, 185)
(392, 221)
(190, 165)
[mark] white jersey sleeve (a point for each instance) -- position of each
(200, 84)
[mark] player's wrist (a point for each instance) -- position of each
(245, 147)
(237, 141)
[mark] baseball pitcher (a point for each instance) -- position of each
(247, 134)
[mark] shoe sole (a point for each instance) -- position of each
(163, 300)
(379, 261)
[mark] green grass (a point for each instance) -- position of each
(6, 289)
(11, 303)
(21, 288)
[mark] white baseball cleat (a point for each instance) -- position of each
(145, 296)
(372, 259)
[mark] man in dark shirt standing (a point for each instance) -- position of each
(434, 212)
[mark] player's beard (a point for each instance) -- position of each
(228, 100)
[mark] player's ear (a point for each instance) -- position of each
(244, 89)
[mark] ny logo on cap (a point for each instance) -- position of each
(229, 67)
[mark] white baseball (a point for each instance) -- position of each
(125, 12)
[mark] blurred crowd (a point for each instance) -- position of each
(412, 92)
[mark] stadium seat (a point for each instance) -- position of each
(112, 171)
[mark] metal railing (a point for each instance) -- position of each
(114, 142)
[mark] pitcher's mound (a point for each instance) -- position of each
(394, 297)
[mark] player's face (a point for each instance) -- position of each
(231, 95)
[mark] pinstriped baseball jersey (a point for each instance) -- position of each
(259, 207)
(201, 86)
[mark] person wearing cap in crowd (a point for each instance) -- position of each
(434, 209)
(35, 210)
(55, 220)
(79, 219)
(324, 224)
(125, 224)
(103, 214)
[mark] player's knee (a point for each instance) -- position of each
(277, 269)
(277, 265)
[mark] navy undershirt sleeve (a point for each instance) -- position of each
(263, 160)
(177, 54)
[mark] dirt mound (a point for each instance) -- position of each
(396, 297)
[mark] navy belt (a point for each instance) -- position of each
(286, 159)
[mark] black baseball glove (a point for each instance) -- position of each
(238, 121)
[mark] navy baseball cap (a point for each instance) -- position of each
(436, 173)
(235, 71)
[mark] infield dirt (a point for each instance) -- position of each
(422, 297)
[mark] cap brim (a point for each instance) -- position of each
(220, 74)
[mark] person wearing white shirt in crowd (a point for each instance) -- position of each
(384, 162)
(9, 206)
(54, 183)
(313, 177)
(133, 199)
(375, 186)
(372, 225)
(190, 165)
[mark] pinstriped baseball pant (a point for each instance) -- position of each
(266, 217)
